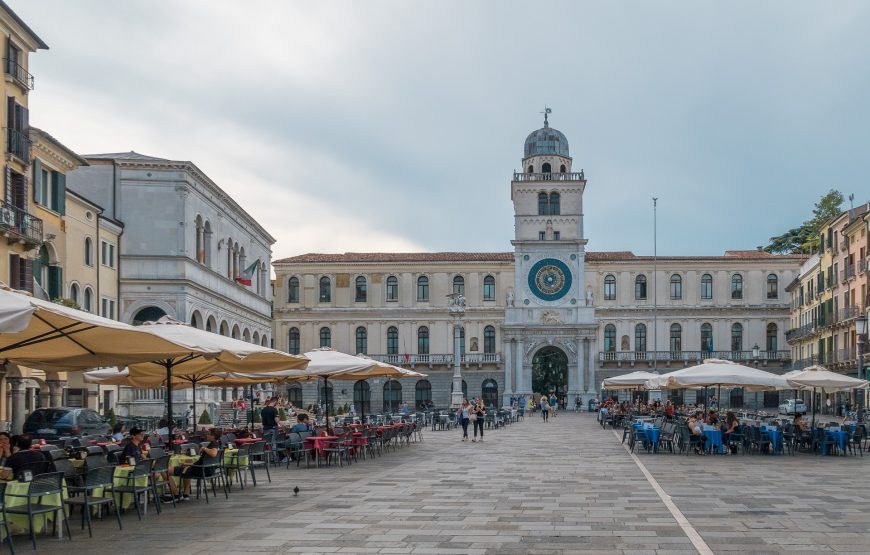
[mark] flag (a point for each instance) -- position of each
(248, 273)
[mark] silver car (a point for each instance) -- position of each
(793, 406)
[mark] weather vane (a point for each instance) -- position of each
(546, 112)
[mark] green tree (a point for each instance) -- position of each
(204, 418)
(806, 237)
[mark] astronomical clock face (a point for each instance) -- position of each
(550, 279)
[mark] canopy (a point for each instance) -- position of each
(54, 336)
(819, 377)
(627, 381)
(716, 372)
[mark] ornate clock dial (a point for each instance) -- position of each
(550, 279)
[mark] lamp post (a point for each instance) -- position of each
(860, 333)
(755, 353)
(457, 310)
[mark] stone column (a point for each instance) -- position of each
(584, 355)
(44, 398)
(55, 391)
(17, 397)
(508, 373)
(524, 382)
(590, 376)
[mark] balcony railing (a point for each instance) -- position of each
(555, 176)
(847, 273)
(862, 265)
(17, 225)
(690, 356)
(18, 144)
(801, 332)
(17, 71)
(439, 359)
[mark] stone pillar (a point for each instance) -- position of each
(508, 373)
(524, 379)
(55, 393)
(591, 387)
(44, 398)
(17, 397)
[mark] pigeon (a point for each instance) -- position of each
(295, 491)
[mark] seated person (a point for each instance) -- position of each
(187, 471)
(23, 456)
(301, 424)
(799, 423)
(163, 427)
(118, 432)
(133, 449)
(731, 426)
(696, 429)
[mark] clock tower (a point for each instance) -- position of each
(550, 328)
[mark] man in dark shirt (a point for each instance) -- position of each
(269, 416)
(24, 456)
(134, 446)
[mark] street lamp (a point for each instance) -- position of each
(457, 310)
(755, 352)
(860, 333)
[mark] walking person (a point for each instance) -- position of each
(463, 415)
(554, 404)
(545, 408)
(479, 416)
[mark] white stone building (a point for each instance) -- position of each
(548, 316)
(184, 252)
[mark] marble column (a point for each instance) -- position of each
(17, 392)
(55, 391)
(508, 373)
(591, 386)
(524, 382)
(44, 397)
(583, 354)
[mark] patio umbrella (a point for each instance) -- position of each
(58, 337)
(818, 377)
(223, 354)
(716, 372)
(627, 381)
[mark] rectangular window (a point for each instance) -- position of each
(556, 236)
(392, 289)
(108, 308)
(423, 289)
(542, 235)
(107, 254)
(489, 289)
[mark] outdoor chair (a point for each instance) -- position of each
(259, 458)
(635, 437)
(96, 460)
(44, 496)
(823, 443)
(689, 440)
(138, 482)
(297, 450)
(789, 438)
(666, 438)
(154, 453)
(211, 469)
(856, 440)
(240, 463)
(335, 449)
(35, 468)
(70, 473)
(160, 478)
(99, 478)
(3, 520)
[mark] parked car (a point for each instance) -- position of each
(793, 406)
(54, 422)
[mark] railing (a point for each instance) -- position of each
(801, 332)
(18, 143)
(686, 356)
(862, 265)
(847, 273)
(554, 176)
(438, 359)
(18, 73)
(848, 313)
(18, 224)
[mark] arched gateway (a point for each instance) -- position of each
(550, 371)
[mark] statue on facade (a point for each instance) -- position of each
(570, 346)
(510, 297)
(590, 298)
(550, 317)
(457, 303)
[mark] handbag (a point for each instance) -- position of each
(472, 417)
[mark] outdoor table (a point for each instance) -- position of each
(126, 500)
(839, 436)
(714, 439)
(775, 435)
(319, 442)
(18, 524)
(246, 440)
(651, 433)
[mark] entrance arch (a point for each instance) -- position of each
(550, 371)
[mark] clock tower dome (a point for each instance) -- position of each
(550, 325)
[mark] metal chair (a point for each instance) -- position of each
(39, 496)
(97, 478)
(142, 471)
(258, 457)
(211, 469)
(236, 463)
(4, 522)
(160, 478)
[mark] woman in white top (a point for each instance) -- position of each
(545, 408)
(463, 415)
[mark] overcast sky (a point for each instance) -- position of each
(395, 126)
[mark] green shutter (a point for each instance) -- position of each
(37, 181)
(55, 277)
(59, 189)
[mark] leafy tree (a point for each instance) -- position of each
(806, 237)
(204, 418)
(67, 302)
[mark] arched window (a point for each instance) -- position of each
(294, 395)
(422, 288)
(676, 287)
(489, 288)
(74, 293)
(640, 338)
(543, 204)
(489, 339)
(362, 341)
(325, 337)
(736, 286)
(423, 394)
(736, 337)
(392, 289)
(640, 288)
(422, 340)
(392, 340)
(531, 169)
(706, 287)
(147, 314)
(293, 290)
(772, 286)
(676, 338)
(196, 320)
(706, 338)
(735, 398)
(489, 393)
(293, 341)
(200, 252)
(89, 251)
(610, 338)
(562, 168)
(360, 290)
(392, 395)
(545, 168)
(771, 335)
(325, 290)
(459, 285)
(609, 287)
(555, 210)
(206, 243)
(362, 396)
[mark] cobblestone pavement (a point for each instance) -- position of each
(561, 487)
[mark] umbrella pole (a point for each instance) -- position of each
(251, 389)
(813, 427)
(193, 383)
(169, 397)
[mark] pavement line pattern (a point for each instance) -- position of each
(691, 533)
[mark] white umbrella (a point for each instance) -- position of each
(15, 312)
(818, 377)
(716, 372)
(627, 381)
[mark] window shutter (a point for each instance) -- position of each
(55, 277)
(10, 113)
(26, 273)
(14, 271)
(59, 182)
(37, 181)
